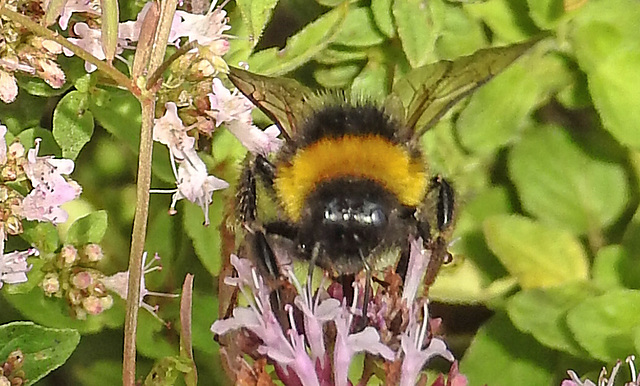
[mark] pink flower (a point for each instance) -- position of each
(347, 344)
(91, 41)
(72, 6)
(418, 262)
(227, 106)
(195, 184)
(204, 29)
(119, 283)
(170, 131)
(603, 378)
(13, 266)
(8, 87)
(234, 110)
(50, 188)
(415, 356)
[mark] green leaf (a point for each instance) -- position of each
(24, 112)
(536, 255)
(206, 240)
(418, 29)
(546, 13)
(151, 337)
(118, 112)
(613, 267)
(502, 355)
(382, 14)
(88, 229)
(38, 87)
(42, 235)
(256, 14)
(605, 325)
(461, 34)
(336, 54)
(372, 82)
(606, 39)
(507, 19)
(44, 349)
(337, 76)
(542, 313)
(564, 186)
(100, 372)
(493, 118)
(47, 145)
(72, 123)
(359, 30)
(165, 371)
(301, 47)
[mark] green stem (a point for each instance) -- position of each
(147, 100)
(107, 69)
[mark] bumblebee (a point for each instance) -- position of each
(351, 182)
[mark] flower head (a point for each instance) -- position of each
(50, 188)
(170, 131)
(204, 29)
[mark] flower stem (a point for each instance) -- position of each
(148, 102)
(106, 68)
(158, 73)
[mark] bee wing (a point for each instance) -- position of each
(427, 93)
(281, 99)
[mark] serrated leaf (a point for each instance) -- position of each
(542, 313)
(256, 14)
(44, 349)
(502, 355)
(418, 30)
(492, 118)
(88, 229)
(301, 47)
(564, 186)
(359, 30)
(72, 123)
(536, 255)
(607, 45)
(605, 325)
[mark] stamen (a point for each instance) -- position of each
(632, 368)
(256, 283)
(614, 373)
(292, 322)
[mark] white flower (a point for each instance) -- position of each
(71, 6)
(13, 266)
(204, 29)
(227, 106)
(8, 87)
(170, 131)
(415, 356)
(3, 144)
(195, 184)
(119, 283)
(418, 262)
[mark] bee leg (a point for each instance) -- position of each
(246, 198)
(444, 216)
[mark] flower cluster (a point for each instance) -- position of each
(11, 372)
(71, 275)
(49, 189)
(604, 379)
(26, 53)
(314, 340)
